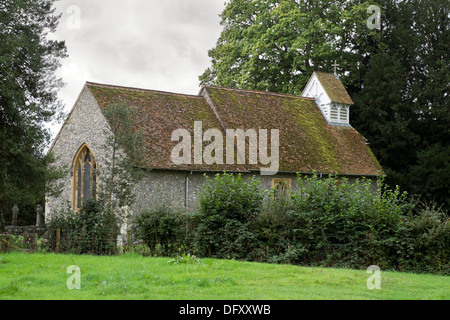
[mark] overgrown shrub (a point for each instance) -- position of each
(91, 230)
(332, 222)
(276, 228)
(424, 241)
(164, 229)
(228, 205)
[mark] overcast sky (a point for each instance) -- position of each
(160, 45)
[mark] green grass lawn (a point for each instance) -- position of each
(130, 276)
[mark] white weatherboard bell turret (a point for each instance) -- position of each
(331, 97)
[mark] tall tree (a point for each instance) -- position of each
(403, 106)
(28, 98)
(276, 44)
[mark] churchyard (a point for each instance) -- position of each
(266, 255)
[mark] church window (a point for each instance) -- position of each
(84, 177)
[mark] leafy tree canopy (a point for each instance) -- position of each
(276, 45)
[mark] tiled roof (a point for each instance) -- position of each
(160, 114)
(307, 142)
(334, 88)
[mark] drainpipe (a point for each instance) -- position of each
(186, 203)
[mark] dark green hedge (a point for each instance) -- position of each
(326, 222)
(89, 231)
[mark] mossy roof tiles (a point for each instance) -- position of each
(307, 142)
(160, 113)
(334, 88)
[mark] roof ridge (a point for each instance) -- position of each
(326, 72)
(261, 92)
(104, 85)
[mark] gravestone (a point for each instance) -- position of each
(39, 216)
(15, 214)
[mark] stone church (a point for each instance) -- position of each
(314, 136)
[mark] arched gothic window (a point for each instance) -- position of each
(84, 177)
